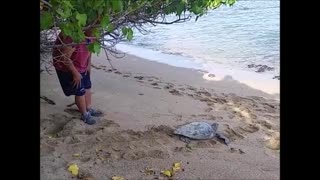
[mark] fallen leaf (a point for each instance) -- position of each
(176, 166)
(167, 173)
(117, 178)
(73, 168)
(76, 155)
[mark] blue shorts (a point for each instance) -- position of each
(66, 82)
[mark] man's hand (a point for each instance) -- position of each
(76, 79)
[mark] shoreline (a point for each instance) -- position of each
(222, 75)
(264, 82)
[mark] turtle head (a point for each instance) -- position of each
(214, 126)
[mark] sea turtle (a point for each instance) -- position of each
(200, 131)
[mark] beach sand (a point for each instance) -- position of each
(144, 102)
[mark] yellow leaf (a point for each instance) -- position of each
(50, 136)
(73, 168)
(176, 166)
(76, 155)
(117, 178)
(167, 173)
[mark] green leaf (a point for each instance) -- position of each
(110, 28)
(105, 21)
(117, 5)
(66, 29)
(61, 13)
(82, 19)
(46, 20)
(216, 3)
(78, 36)
(67, 4)
(130, 34)
(94, 47)
(124, 31)
(96, 33)
(196, 9)
(100, 10)
(97, 4)
(180, 8)
(231, 2)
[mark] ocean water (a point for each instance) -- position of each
(223, 42)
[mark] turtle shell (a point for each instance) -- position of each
(197, 130)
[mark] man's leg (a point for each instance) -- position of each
(66, 79)
(88, 95)
(81, 104)
(88, 99)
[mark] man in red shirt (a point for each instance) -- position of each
(73, 65)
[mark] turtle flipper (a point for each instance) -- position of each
(220, 136)
(185, 139)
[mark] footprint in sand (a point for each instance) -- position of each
(95, 67)
(90, 131)
(126, 75)
(155, 85)
(208, 109)
(250, 128)
(160, 154)
(138, 77)
(266, 124)
(232, 134)
(46, 149)
(71, 140)
(206, 93)
(168, 86)
(105, 125)
(55, 124)
(73, 112)
(175, 92)
(135, 155)
(85, 159)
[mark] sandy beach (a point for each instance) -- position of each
(144, 102)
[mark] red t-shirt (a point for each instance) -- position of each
(79, 57)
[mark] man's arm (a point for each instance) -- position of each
(67, 53)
